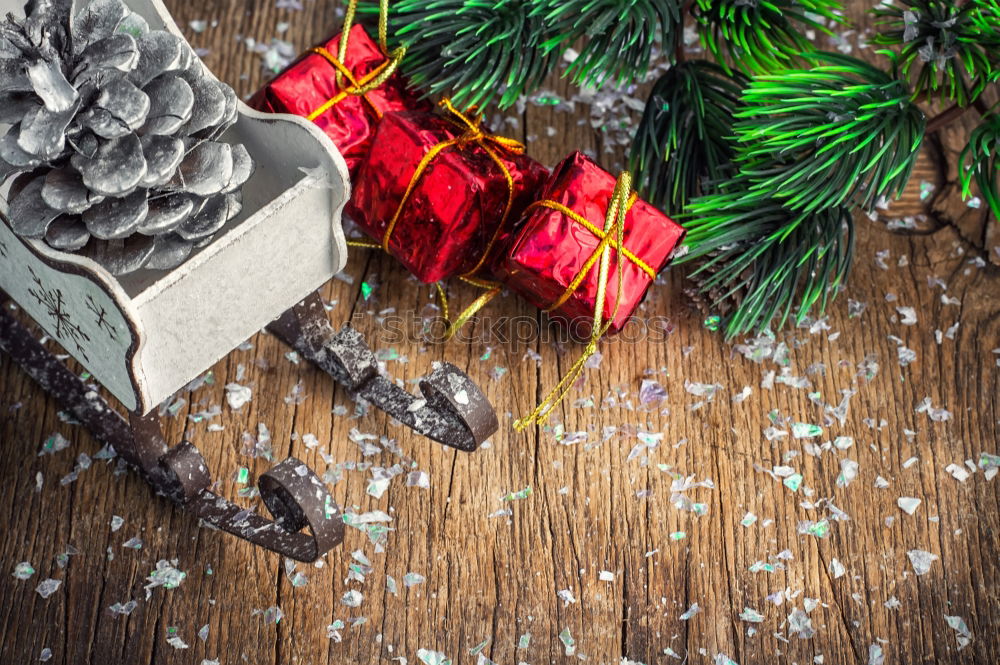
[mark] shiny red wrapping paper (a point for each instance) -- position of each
(311, 81)
(547, 251)
(457, 203)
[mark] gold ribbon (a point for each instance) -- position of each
(370, 81)
(491, 144)
(612, 237)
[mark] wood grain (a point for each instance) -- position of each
(592, 509)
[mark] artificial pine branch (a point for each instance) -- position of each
(620, 35)
(948, 50)
(763, 260)
(760, 37)
(682, 140)
(476, 51)
(983, 157)
(841, 133)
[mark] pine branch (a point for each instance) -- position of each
(947, 50)
(681, 142)
(476, 51)
(841, 133)
(620, 35)
(983, 157)
(760, 37)
(762, 261)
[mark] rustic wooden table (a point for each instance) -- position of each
(621, 550)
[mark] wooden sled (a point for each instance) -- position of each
(146, 335)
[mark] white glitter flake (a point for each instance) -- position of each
(921, 561)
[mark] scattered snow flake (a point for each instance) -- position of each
(962, 633)
(418, 479)
(881, 483)
(875, 655)
(123, 609)
(429, 657)
(569, 643)
(937, 415)
(23, 570)
(793, 482)
(606, 576)
(806, 430)
(48, 587)
(413, 579)
(166, 575)
(820, 529)
(377, 487)
(800, 624)
(237, 395)
(174, 640)
(566, 596)
(921, 561)
(53, 444)
(843, 442)
(848, 472)
(751, 615)
(691, 611)
(893, 603)
(520, 494)
(836, 568)
(706, 390)
(908, 504)
(908, 314)
(651, 392)
(352, 598)
(990, 464)
(960, 473)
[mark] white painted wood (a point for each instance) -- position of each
(75, 306)
(287, 242)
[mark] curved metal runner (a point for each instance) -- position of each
(306, 522)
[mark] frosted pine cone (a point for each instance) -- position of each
(115, 137)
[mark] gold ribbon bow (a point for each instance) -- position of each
(612, 237)
(492, 144)
(370, 81)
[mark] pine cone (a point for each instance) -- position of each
(115, 137)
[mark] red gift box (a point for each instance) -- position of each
(435, 186)
(549, 250)
(309, 88)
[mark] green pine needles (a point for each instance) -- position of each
(841, 132)
(477, 51)
(682, 144)
(762, 260)
(981, 162)
(759, 36)
(948, 50)
(810, 145)
(765, 148)
(619, 35)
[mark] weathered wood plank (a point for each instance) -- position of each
(497, 577)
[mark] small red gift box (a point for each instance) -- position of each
(436, 191)
(550, 251)
(309, 88)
